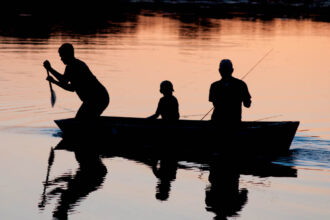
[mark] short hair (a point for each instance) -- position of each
(167, 85)
(226, 64)
(66, 49)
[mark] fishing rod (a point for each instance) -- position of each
(257, 63)
(243, 77)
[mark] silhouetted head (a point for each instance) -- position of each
(166, 87)
(226, 68)
(66, 52)
(163, 190)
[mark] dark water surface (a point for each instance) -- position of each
(131, 54)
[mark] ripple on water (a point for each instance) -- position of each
(311, 152)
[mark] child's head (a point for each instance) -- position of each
(166, 87)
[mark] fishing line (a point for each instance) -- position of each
(274, 116)
(187, 116)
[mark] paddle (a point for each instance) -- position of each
(243, 77)
(53, 96)
(50, 163)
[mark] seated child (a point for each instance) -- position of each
(168, 106)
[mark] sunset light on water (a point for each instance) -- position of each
(131, 57)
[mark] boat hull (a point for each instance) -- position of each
(188, 135)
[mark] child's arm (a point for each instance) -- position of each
(154, 116)
(157, 114)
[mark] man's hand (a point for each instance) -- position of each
(50, 79)
(47, 65)
(247, 103)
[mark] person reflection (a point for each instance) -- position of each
(223, 196)
(89, 177)
(165, 171)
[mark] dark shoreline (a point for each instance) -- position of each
(242, 10)
(266, 10)
(29, 21)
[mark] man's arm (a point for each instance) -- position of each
(63, 85)
(60, 77)
(211, 95)
(246, 96)
(247, 103)
(177, 108)
(157, 114)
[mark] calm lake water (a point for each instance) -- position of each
(131, 55)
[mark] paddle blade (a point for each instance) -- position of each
(53, 98)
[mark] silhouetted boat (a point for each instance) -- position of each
(191, 135)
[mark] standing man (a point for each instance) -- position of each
(78, 78)
(227, 96)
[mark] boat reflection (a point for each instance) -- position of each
(223, 196)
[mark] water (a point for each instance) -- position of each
(131, 56)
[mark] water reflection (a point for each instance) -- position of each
(223, 196)
(26, 27)
(88, 178)
(43, 26)
(165, 170)
(123, 20)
